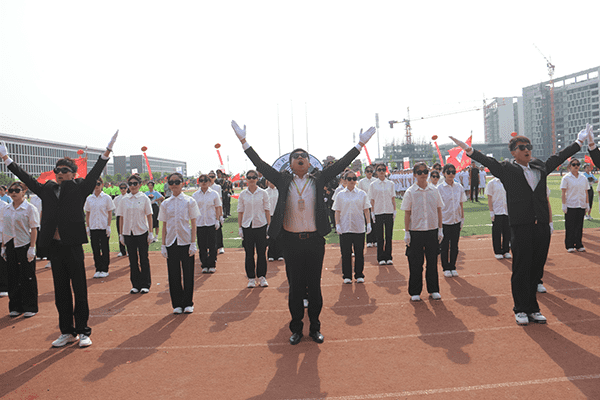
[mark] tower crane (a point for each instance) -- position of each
(550, 67)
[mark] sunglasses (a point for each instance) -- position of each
(15, 190)
(380, 169)
(422, 172)
(252, 177)
(435, 176)
(133, 183)
(352, 178)
(575, 165)
(98, 183)
(62, 170)
(451, 172)
(123, 187)
(524, 146)
(368, 171)
(203, 180)
(212, 176)
(298, 155)
(175, 182)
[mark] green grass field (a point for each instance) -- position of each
(477, 220)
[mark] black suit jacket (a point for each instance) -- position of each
(66, 211)
(282, 181)
(595, 156)
(525, 206)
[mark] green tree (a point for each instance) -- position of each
(5, 179)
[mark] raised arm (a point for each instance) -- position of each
(494, 166)
(338, 166)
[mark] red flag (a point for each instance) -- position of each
(367, 153)
(236, 177)
(587, 159)
(81, 163)
(357, 173)
(439, 154)
(148, 165)
(458, 157)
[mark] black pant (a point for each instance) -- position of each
(140, 271)
(449, 246)
(574, 228)
(40, 251)
(423, 244)
(99, 242)
(22, 283)
(303, 267)
(384, 224)
(530, 243)
(501, 234)
(207, 249)
(155, 211)
(347, 242)
(219, 237)
(475, 189)
(226, 205)
(3, 275)
(122, 247)
(591, 197)
(274, 251)
(68, 270)
(372, 237)
(179, 262)
(255, 238)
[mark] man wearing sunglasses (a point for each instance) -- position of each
(524, 180)
(63, 232)
(301, 219)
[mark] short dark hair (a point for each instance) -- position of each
(512, 145)
(447, 167)
(100, 179)
(135, 177)
(252, 171)
(17, 183)
(151, 183)
(175, 173)
(417, 165)
(69, 162)
(436, 165)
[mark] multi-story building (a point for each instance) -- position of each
(503, 116)
(124, 165)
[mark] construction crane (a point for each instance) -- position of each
(550, 67)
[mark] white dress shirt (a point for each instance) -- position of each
(382, 192)
(423, 205)
(98, 207)
(532, 175)
(482, 178)
(207, 204)
(134, 211)
(18, 223)
(337, 190)
(576, 194)
(296, 219)
(218, 189)
(452, 195)
(177, 212)
(253, 205)
(37, 202)
(351, 205)
(273, 197)
(365, 183)
(495, 188)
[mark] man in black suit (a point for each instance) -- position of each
(474, 179)
(300, 220)
(63, 233)
(525, 182)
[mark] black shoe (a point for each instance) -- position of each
(295, 338)
(317, 337)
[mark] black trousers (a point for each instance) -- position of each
(384, 226)
(40, 251)
(255, 238)
(140, 268)
(180, 264)
(303, 267)
(591, 197)
(122, 247)
(475, 189)
(449, 246)
(68, 271)
(226, 205)
(423, 245)
(207, 248)
(574, 228)
(155, 211)
(99, 242)
(530, 243)
(501, 234)
(274, 251)
(347, 242)
(219, 237)
(372, 237)
(3, 275)
(22, 283)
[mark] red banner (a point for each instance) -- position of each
(458, 157)
(148, 165)
(439, 153)
(81, 163)
(367, 153)
(236, 177)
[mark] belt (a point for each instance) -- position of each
(302, 235)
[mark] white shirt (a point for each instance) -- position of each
(218, 189)
(295, 219)
(19, 222)
(134, 210)
(207, 203)
(365, 183)
(495, 188)
(423, 205)
(482, 178)
(532, 175)
(351, 205)
(98, 207)
(382, 192)
(117, 200)
(253, 205)
(177, 212)
(577, 187)
(452, 196)
(273, 197)
(337, 190)
(464, 179)
(37, 202)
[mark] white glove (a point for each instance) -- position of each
(193, 249)
(163, 251)
(3, 253)
(217, 225)
(373, 216)
(338, 229)
(462, 222)
(394, 216)
(239, 132)
(587, 207)
(3, 151)
(150, 237)
(564, 208)
(364, 137)
(222, 220)
(582, 136)
(369, 229)
(122, 239)
(590, 129)
(492, 214)
(461, 144)
(551, 228)
(407, 238)
(108, 231)
(241, 232)
(112, 141)
(440, 235)
(31, 254)
(87, 230)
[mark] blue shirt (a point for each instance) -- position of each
(6, 199)
(156, 195)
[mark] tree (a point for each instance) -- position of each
(5, 179)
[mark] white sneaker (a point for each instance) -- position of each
(271, 259)
(448, 274)
(134, 291)
(189, 309)
(3, 294)
(205, 270)
(360, 280)
(521, 318)
(251, 283)
(416, 297)
(507, 255)
(97, 274)
(64, 339)
(499, 256)
(120, 254)
(84, 340)
(144, 290)
(587, 217)
(29, 314)
(103, 274)
(280, 259)
(177, 310)
(454, 272)
(212, 270)
(541, 288)
(389, 262)
(221, 250)
(305, 301)
(382, 262)
(369, 244)
(14, 314)
(49, 265)
(263, 281)
(346, 280)
(581, 249)
(436, 296)
(571, 250)
(537, 317)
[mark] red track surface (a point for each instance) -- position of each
(377, 343)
